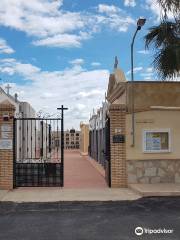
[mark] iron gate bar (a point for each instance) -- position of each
(57, 138)
(46, 138)
(48, 170)
(27, 141)
(14, 153)
(108, 149)
(38, 119)
(42, 136)
(38, 174)
(31, 139)
(35, 138)
(49, 129)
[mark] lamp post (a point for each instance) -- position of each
(140, 23)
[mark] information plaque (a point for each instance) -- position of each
(6, 128)
(119, 138)
(5, 144)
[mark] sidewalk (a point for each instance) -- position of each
(71, 195)
(157, 190)
(3, 194)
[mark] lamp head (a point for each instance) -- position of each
(140, 23)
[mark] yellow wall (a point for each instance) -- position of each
(148, 94)
(84, 143)
(153, 120)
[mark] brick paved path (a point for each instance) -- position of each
(80, 173)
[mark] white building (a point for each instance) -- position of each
(23, 109)
(23, 136)
(97, 124)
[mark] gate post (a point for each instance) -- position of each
(62, 142)
(117, 114)
(7, 111)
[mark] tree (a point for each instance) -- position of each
(165, 39)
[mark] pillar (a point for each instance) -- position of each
(117, 114)
(6, 145)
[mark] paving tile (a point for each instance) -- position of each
(80, 173)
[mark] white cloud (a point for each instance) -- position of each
(77, 61)
(114, 17)
(11, 66)
(5, 48)
(50, 25)
(136, 69)
(156, 9)
(91, 93)
(63, 40)
(148, 78)
(129, 3)
(44, 20)
(95, 64)
(143, 52)
(108, 9)
(76, 88)
(147, 75)
(8, 60)
(149, 70)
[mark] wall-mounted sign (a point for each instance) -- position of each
(153, 143)
(145, 121)
(6, 128)
(119, 138)
(118, 130)
(5, 144)
(5, 135)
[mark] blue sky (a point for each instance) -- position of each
(55, 52)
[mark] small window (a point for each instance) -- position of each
(156, 141)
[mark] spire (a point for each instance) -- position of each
(115, 62)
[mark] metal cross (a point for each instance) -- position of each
(8, 87)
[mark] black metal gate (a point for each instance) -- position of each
(107, 152)
(38, 152)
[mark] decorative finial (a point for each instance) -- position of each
(8, 87)
(16, 97)
(115, 62)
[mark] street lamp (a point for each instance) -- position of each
(140, 23)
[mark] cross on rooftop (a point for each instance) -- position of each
(8, 87)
